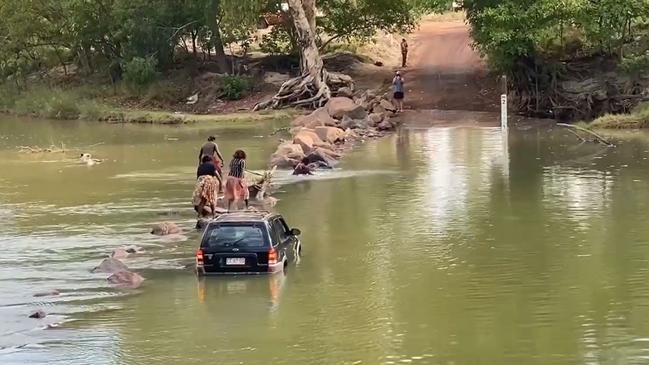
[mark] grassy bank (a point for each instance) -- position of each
(88, 104)
(637, 119)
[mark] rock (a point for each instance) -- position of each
(165, 228)
(287, 155)
(329, 153)
(376, 118)
(349, 123)
(119, 253)
(126, 279)
(50, 293)
(345, 92)
(378, 109)
(309, 140)
(110, 266)
(385, 126)
(387, 105)
(338, 107)
(330, 134)
(319, 117)
(291, 150)
(319, 156)
(283, 162)
(38, 314)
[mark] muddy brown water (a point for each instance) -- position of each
(431, 246)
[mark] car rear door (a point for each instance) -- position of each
(283, 238)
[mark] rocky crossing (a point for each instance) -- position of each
(323, 135)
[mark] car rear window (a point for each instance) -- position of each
(225, 236)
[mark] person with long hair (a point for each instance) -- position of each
(236, 188)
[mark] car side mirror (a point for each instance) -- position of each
(295, 232)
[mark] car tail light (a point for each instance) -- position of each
(272, 257)
(199, 257)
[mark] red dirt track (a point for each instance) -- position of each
(445, 73)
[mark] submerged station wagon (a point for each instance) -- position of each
(247, 243)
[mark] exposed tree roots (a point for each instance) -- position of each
(302, 91)
(576, 90)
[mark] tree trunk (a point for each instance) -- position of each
(213, 12)
(194, 36)
(310, 60)
(312, 87)
(309, 12)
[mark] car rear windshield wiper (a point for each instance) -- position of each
(235, 243)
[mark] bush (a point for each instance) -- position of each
(235, 87)
(62, 105)
(140, 72)
(277, 42)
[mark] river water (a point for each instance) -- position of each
(431, 246)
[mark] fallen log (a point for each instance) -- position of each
(597, 137)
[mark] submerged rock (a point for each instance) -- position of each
(165, 228)
(110, 266)
(126, 279)
(38, 314)
(119, 253)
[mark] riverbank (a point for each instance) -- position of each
(73, 104)
(637, 119)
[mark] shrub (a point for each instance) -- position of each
(61, 105)
(140, 72)
(235, 87)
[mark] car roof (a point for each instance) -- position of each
(245, 217)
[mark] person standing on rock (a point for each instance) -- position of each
(210, 148)
(236, 188)
(404, 53)
(399, 91)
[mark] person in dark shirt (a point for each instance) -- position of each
(211, 149)
(207, 168)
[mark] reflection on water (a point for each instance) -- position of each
(431, 246)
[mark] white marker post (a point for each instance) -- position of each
(503, 112)
(503, 105)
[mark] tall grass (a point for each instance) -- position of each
(637, 119)
(51, 103)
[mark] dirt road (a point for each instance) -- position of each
(445, 73)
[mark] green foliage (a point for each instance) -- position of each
(361, 19)
(235, 87)
(509, 30)
(140, 72)
(278, 41)
(636, 64)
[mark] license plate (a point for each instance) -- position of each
(235, 261)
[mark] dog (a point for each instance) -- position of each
(87, 159)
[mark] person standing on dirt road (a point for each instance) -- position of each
(404, 53)
(399, 91)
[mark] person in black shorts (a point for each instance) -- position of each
(399, 90)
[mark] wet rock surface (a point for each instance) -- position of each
(319, 138)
